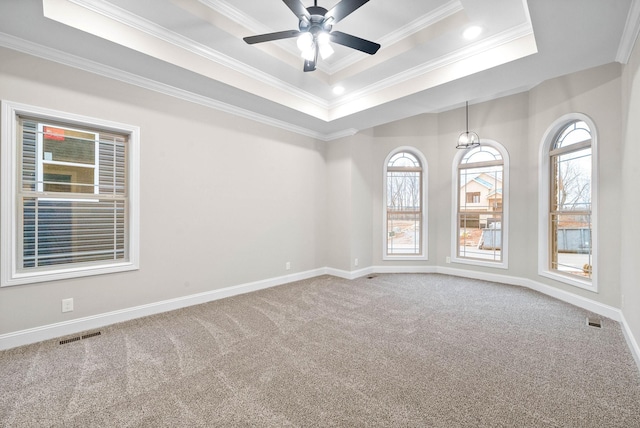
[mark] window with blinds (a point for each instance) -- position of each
(72, 196)
(71, 213)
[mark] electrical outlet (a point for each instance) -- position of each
(287, 265)
(448, 259)
(67, 305)
(355, 262)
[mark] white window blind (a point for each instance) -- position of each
(72, 196)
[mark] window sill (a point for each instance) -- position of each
(567, 279)
(20, 278)
(407, 258)
(473, 262)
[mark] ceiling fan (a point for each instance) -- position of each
(315, 33)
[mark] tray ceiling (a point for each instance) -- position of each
(193, 49)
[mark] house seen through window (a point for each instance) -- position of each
(479, 222)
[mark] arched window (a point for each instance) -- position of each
(405, 197)
(480, 189)
(568, 192)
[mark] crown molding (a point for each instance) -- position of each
(500, 39)
(237, 16)
(252, 25)
(630, 33)
(390, 39)
(49, 54)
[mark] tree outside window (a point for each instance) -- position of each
(571, 212)
(404, 210)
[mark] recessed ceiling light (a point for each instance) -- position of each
(472, 32)
(338, 90)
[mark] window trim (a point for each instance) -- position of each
(455, 201)
(544, 201)
(424, 253)
(9, 273)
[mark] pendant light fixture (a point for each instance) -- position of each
(468, 140)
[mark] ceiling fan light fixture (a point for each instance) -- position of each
(324, 46)
(309, 54)
(314, 25)
(305, 42)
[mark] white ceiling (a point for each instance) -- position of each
(193, 49)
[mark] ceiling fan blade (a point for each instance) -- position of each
(271, 36)
(343, 9)
(297, 8)
(354, 42)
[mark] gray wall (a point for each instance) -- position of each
(518, 122)
(224, 200)
(227, 201)
(630, 201)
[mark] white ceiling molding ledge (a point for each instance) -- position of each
(69, 60)
(221, 14)
(501, 49)
(194, 50)
(630, 33)
(419, 31)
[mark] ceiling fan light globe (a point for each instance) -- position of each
(305, 42)
(323, 38)
(325, 50)
(309, 53)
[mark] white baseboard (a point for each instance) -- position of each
(348, 274)
(51, 331)
(631, 341)
(579, 301)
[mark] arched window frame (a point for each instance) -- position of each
(424, 198)
(544, 203)
(504, 263)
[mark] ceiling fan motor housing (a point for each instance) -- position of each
(316, 22)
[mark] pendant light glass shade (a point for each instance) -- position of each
(468, 139)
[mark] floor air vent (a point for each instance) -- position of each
(73, 339)
(84, 336)
(88, 335)
(594, 322)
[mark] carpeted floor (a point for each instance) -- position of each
(407, 350)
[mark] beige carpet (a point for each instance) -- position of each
(419, 350)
